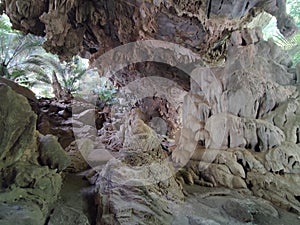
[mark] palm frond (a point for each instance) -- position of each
(48, 61)
(39, 74)
(291, 45)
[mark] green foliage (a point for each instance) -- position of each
(97, 90)
(107, 94)
(292, 44)
(14, 48)
(68, 73)
(5, 26)
(294, 10)
(23, 60)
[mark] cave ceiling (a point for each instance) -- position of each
(92, 27)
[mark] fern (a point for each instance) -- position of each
(291, 45)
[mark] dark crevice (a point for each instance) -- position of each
(258, 110)
(209, 114)
(228, 141)
(208, 9)
(297, 135)
(257, 148)
(248, 146)
(275, 106)
(201, 143)
(285, 120)
(244, 43)
(239, 113)
(297, 197)
(280, 172)
(247, 5)
(246, 167)
(221, 4)
(249, 185)
(293, 210)
(295, 164)
(49, 217)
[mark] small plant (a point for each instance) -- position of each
(96, 90)
(107, 94)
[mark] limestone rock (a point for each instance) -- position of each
(20, 213)
(51, 122)
(19, 89)
(246, 106)
(27, 187)
(258, 135)
(250, 161)
(17, 126)
(226, 206)
(286, 117)
(298, 72)
(52, 154)
(77, 161)
(121, 23)
(63, 118)
(238, 211)
(141, 174)
(284, 159)
(219, 174)
(31, 182)
(87, 117)
(280, 190)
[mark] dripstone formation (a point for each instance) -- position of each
(231, 116)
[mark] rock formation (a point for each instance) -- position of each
(30, 163)
(142, 171)
(93, 27)
(232, 107)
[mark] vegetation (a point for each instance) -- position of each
(93, 89)
(294, 10)
(15, 48)
(44, 69)
(23, 60)
(292, 45)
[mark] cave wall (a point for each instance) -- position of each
(238, 123)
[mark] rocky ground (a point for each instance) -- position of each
(132, 185)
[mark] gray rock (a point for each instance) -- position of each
(283, 159)
(17, 124)
(20, 213)
(52, 154)
(138, 187)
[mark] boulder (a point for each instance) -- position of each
(52, 154)
(29, 178)
(17, 121)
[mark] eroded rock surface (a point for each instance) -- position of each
(93, 27)
(235, 124)
(141, 172)
(249, 128)
(27, 185)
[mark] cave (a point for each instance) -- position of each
(204, 129)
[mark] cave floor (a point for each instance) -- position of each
(76, 204)
(203, 205)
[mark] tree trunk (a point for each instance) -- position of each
(58, 92)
